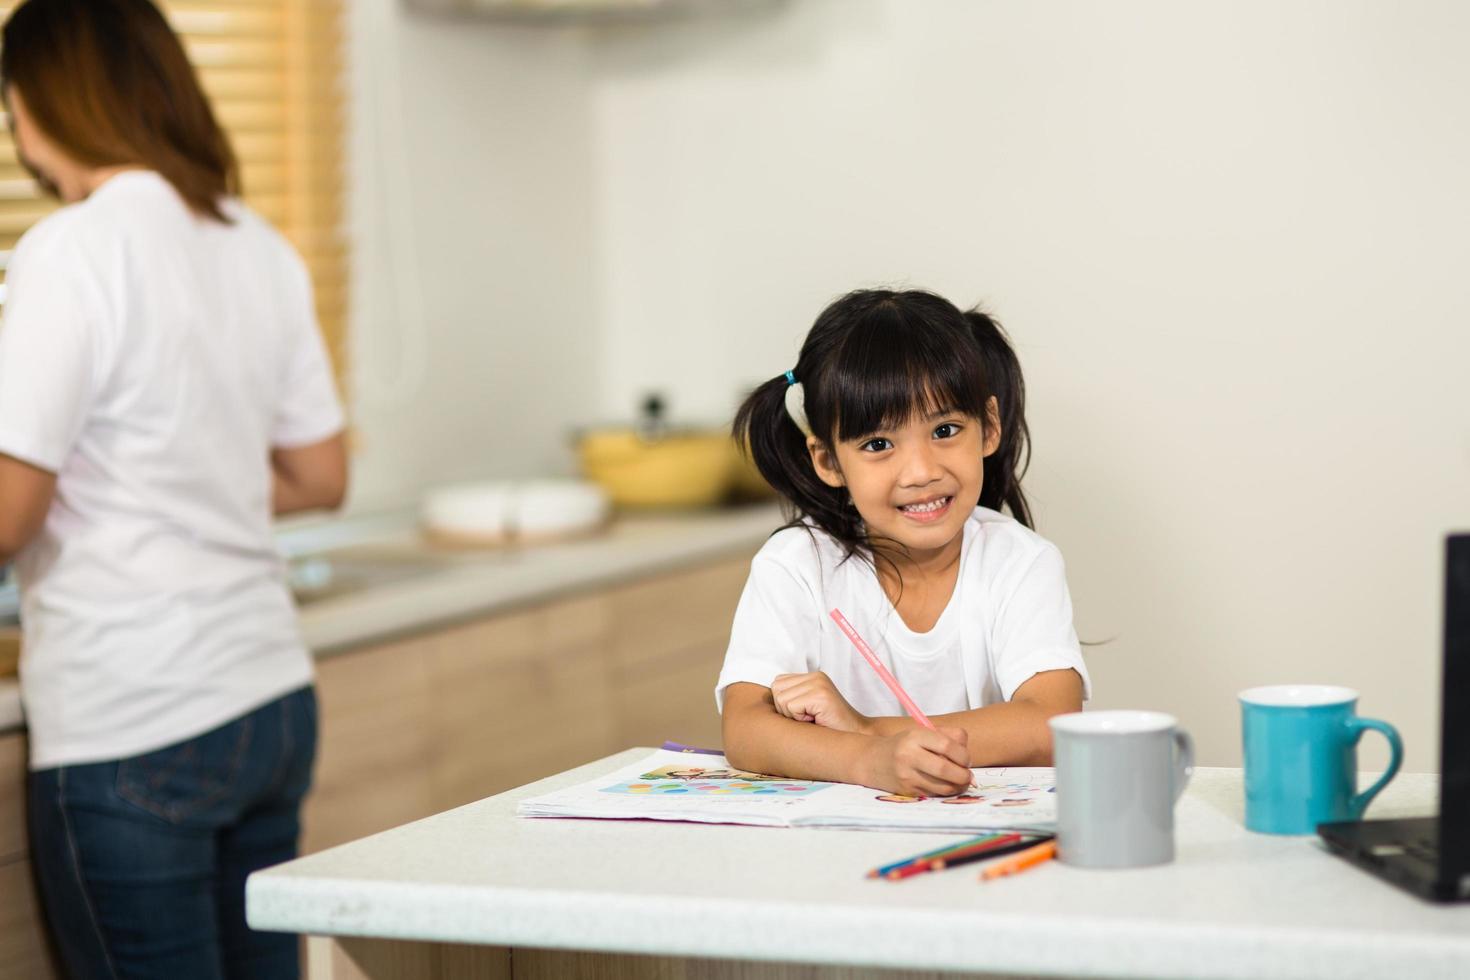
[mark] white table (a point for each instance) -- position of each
(741, 901)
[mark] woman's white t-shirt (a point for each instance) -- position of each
(1009, 618)
(152, 358)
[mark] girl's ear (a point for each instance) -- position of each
(824, 461)
(992, 427)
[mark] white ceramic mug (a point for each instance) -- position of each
(1119, 774)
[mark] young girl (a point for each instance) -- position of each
(896, 440)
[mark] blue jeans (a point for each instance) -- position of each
(142, 862)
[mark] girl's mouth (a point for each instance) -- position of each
(928, 511)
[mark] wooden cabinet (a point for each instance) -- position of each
(420, 725)
(666, 643)
(24, 954)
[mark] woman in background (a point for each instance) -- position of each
(163, 392)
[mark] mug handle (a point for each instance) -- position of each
(1357, 726)
(1183, 761)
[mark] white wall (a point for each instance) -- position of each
(1229, 240)
(471, 214)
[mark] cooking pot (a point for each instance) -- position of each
(652, 464)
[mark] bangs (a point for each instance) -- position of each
(898, 365)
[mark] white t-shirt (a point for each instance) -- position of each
(1010, 617)
(151, 358)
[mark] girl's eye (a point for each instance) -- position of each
(876, 446)
(947, 431)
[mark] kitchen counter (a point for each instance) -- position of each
(1233, 905)
(455, 585)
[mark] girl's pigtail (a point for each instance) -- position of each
(1004, 467)
(769, 437)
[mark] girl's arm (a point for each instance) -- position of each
(915, 761)
(1010, 733)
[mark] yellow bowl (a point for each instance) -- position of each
(680, 469)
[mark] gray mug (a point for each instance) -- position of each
(1119, 774)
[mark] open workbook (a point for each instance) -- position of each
(702, 787)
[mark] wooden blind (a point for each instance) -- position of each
(273, 71)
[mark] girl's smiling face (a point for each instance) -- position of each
(914, 483)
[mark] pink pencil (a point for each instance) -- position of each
(882, 672)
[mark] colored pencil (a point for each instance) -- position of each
(964, 844)
(1028, 858)
(970, 857)
(944, 860)
(988, 840)
(883, 673)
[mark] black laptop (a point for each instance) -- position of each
(1430, 856)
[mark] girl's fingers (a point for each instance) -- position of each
(958, 748)
(802, 691)
(785, 689)
(934, 787)
(950, 744)
(943, 767)
(795, 705)
(803, 697)
(801, 710)
(951, 778)
(927, 787)
(796, 713)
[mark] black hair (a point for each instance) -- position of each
(872, 360)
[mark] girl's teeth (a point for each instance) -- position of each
(925, 508)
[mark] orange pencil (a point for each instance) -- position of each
(1026, 859)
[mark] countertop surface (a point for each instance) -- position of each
(403, 585)
(1234, 903)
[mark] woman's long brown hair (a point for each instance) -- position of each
(108, 82)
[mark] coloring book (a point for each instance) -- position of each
(703, 788)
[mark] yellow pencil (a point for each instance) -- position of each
(1028, 858)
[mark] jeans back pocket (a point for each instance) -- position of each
(187, 780)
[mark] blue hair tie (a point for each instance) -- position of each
(791, 377)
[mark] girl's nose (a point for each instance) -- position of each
(920, 466)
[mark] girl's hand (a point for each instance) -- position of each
(918, 762)
(813, 697)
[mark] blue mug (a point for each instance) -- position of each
(1301, 757)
